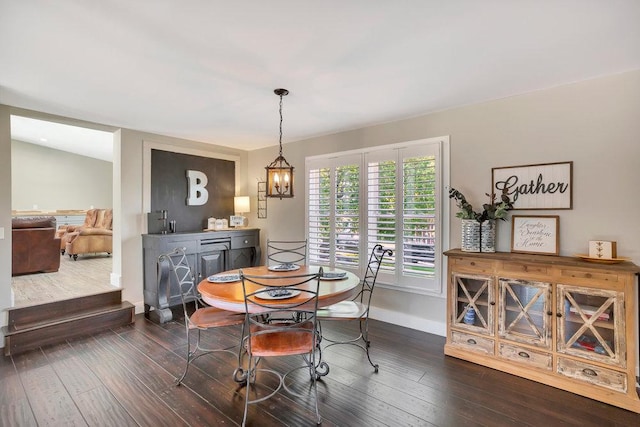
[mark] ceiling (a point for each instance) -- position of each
(205, 70)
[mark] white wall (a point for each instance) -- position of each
(595, 124)
(5, 214)
(55, 179)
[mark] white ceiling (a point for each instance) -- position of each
(73, 139)
(205, 70)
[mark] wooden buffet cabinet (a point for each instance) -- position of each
(557, 320)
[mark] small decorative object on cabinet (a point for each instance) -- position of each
(557, 320)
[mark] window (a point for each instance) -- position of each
(386, 195)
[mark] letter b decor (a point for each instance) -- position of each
(198, 194)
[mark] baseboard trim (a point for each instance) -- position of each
(114, 279)
(139, 305)
(409, 321)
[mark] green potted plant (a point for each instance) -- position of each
(478, 228)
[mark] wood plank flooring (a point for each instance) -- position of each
(125, 377)
(89, 275)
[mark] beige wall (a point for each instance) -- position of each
(54, 179)
(595, 124)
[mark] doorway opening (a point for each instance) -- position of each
(62, 171)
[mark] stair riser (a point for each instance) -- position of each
(45, 312)
(20, 342)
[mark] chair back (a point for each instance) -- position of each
(177, 262)
(286, 252)
(277, 326)
(371, 273)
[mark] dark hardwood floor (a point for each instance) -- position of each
(125, 377)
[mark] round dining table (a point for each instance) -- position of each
(228, 295)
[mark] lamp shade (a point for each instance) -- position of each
(241, 204)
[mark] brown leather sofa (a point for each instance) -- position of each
(35, 247)
(94, 236)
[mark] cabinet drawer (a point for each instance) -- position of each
(520, 267)
(597, 276)
(190, 246)
(476, 265)
(529, 357)
(243, 241)
(592, 374)
(472, 342)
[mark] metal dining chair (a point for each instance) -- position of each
(295, 335)
(286, 252)
(358, 308)
(203, 317)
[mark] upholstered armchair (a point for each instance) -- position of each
(63, 230)
(94, 237)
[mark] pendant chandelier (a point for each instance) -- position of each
(280, 172)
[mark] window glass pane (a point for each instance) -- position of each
(347, 215)
(419, 215)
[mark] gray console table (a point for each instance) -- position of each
(208, 253)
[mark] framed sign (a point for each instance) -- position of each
(535, 234)
(236, 221)
(544, 186)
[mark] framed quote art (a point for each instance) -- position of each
(535, 234)
(542, 186)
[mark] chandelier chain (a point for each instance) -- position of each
(281, 125)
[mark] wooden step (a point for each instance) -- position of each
(32, 327)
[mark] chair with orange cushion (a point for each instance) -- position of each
(297, 334)
(286, 252)
(203, 317)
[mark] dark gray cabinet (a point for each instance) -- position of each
(207, 253)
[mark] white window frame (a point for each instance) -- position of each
(439, 146)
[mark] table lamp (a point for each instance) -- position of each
(241, 205)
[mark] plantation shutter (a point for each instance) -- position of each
(388, 196)
(319, 218)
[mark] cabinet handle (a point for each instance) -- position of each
(472, 341)
(524, 354)
(549, 313)
(492, 303)
(589, 372)
(246, 241)
(558, 314)
(473, 263)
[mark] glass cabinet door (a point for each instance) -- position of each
(525, 311)
(590, 323)
(473, 303)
